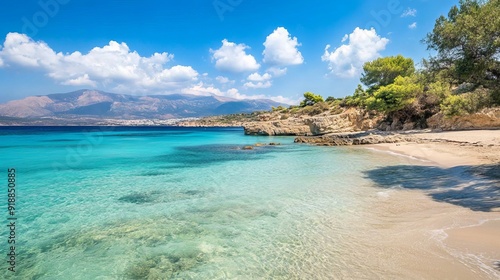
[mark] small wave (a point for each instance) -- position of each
(473, 261)
(388, 193)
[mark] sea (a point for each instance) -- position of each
(193, 203)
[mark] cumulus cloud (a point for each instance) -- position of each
(277, 72)
(232, 57)
(222, 79)
(347, 60)
(266, 84)
(409, 13)
(413, 25)
(113, 65)
(207, 90)
(80, 81)
(259, 81)
(281, 49)
(256, 77)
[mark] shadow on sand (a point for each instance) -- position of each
(474, 187)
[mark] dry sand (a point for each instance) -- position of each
(474, 238)
(453, 148)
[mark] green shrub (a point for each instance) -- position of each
(395, 96)
(439, 89)
(294, 110)
(358, 99)
(455, 105)
(278, 109)
(467, 103)
(311, 99)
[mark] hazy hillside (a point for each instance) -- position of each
(98, 104)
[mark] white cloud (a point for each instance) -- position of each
(266, 84)
(233, 58)
(413, 25)
(409, 13)
(347, 60)
(277, 72)
(259, 81)
(222, 80)
(80, 81)
(113, 65)
(202, 89)
(281, 49)
(256, 77)
(19, 49)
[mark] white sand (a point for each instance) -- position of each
(475, 236)
(456, 148)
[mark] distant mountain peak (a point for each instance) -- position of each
(99, 104)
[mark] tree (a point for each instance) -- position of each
(383, 71)
(311, 99)
(330, 99)
(358, 98)
(395, 96)
(468, 43)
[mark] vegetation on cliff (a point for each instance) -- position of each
(462, 78)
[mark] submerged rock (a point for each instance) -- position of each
(140, 198)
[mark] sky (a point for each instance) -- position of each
(233, 48)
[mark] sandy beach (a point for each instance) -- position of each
(473, 236)
(454, 148)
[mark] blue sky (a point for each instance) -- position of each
(233, 48)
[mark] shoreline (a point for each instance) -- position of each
(474, 237)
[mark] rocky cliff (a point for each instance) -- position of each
(487, 118)
(347, 121)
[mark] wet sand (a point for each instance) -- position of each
(465, 240)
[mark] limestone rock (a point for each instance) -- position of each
(487, 118)
(348, 121)
(362, 138)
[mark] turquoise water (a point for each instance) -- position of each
(178, 203)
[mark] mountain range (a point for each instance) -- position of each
(99, 104)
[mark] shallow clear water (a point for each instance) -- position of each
(161, 203)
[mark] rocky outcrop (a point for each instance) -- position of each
(348, 121)
(362, 138)
(487, 118)
(292, 127)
